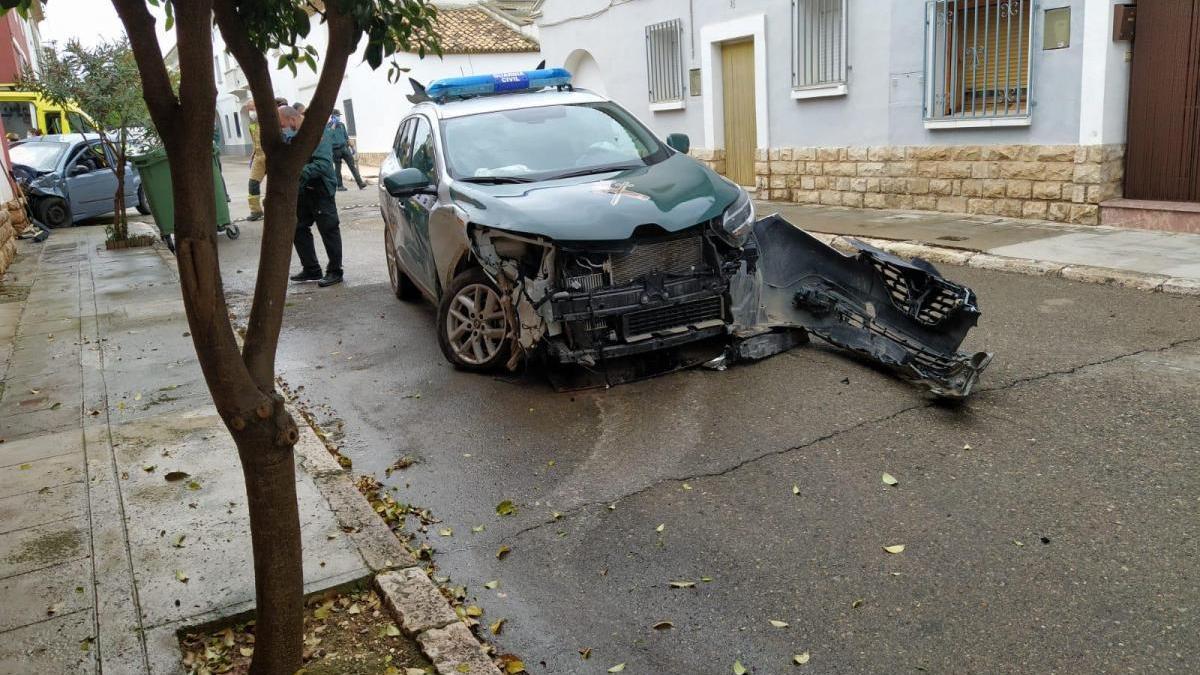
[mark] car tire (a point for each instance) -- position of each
(402, 287)
(143, 205)
(472, 325)
(54, 212)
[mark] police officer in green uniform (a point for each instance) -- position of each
(315, 206)
(342, 150)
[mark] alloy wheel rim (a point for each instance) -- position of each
(476, 325)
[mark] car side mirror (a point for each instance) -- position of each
(680, 142)
(406, 183)
(78, 169)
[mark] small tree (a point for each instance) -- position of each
(242, 382)
(103, 81)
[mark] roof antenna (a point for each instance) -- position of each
(418, 95)
(541, 66)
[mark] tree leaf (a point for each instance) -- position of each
(857, 603)
(682, 584)
(492, 585)
(392, 630)
(894, 548)
(496, 626)
(193, 485)
(506, 508)
(778, 624)
(801, 659)
(502, 551)
(660, 528)
(795, 489)
(181, 576)
(738, 668)
(620, 667)
(663, 625)
(477, 529)
(513, 667)
(889, 479)
(178, 543)
(446, 532)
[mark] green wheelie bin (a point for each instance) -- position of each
(156, 179)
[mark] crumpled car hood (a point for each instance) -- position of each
(674, 194)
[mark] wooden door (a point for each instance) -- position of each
(1162, 158)
(741, 134)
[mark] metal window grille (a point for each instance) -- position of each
(818, 43)
(977, 58)
(664, 61)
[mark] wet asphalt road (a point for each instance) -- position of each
(1050, 524)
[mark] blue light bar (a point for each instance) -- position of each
(500, 83)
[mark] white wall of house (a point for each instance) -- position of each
(1073, 102)
(379, 105)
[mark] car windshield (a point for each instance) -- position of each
(547, 142)
(40, 156)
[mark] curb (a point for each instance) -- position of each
(1154, 283)
(410, 596)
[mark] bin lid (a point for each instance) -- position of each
(158, 154)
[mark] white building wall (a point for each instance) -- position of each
(883, 105)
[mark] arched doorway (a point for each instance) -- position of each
(585, 72)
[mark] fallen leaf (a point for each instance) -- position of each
(496, 626)
(687, 487)
(477, 529)
(120, 405)
(506, 508)
(660, 528)
(857, 603)
(173, 476)
(889, 479)
(181, 576)
(246, 651)
(795, 489)
(491, 585)
(612, 506)
(738, 668)
(663, 625)
(193, 485)
(392, 630)
(1018, 542)
(502, 551)
(446, 532)
(354, 609)
(26, 467)
(555, 515)
(179, 541)
(778, 624)
(137, 396)
(682, 584)
(966, 446)
(801, 659)
(52, 610)
(706, 579)
(56, 406)
(148, 468)
(617, 668)
(322, 612)
(474, 611)
(585, 653)
(894, 548)
(513, 667)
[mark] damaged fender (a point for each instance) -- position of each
(901, 314)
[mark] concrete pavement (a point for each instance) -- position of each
(1014, 244)
(1049, 523)
(104, 551)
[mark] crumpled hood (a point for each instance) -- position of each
(674, 194)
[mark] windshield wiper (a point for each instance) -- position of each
(595, 169)
(495, 180)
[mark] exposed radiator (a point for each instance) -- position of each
(662, 318)
(681, 256)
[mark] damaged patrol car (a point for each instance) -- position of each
(547, 221)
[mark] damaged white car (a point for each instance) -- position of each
(548, 223)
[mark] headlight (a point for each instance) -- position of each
(738, 220)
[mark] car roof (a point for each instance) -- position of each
(73, 137)
(493, 103)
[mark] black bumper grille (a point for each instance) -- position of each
(662, 318)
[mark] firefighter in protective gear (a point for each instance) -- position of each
(258, 168)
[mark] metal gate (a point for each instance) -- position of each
(1162, 159)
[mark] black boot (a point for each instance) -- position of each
(307, 275)
(331, 277)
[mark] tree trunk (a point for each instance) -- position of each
(120, 221)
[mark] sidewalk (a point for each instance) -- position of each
(102, 557)
(1155, 260)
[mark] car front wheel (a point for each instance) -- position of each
(54, 212)
(143, 205)
(473, 329)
